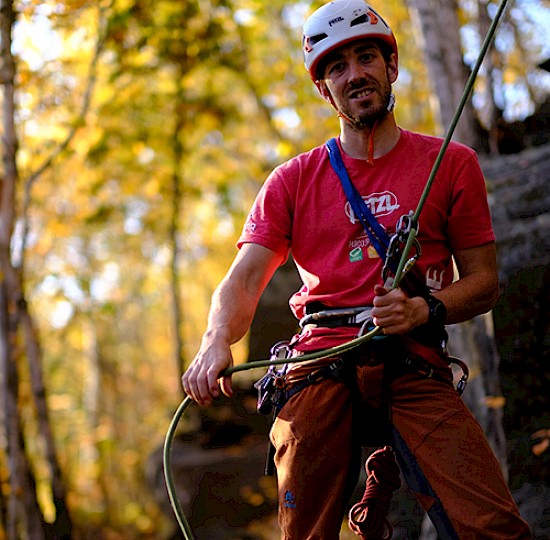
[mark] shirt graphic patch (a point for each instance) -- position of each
(372, 253)
(356, 254)
(434, 278)
(250, 224)
(361, 247)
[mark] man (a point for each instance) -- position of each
(351, 55)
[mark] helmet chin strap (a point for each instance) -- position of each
(391, 103)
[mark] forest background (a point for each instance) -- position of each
(135, 136)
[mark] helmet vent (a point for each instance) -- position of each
(315, 39)
(363, 19)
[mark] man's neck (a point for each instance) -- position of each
(356, 143)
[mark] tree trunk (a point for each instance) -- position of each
(10, 417)
(22, 510)
(20, 516)
(3, 507)
(23, 515)
(62, 526)
(442, 47)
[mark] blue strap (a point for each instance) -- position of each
(417, 481)
(377, 235)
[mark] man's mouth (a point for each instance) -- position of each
(362, 94)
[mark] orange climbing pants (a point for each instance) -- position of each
(318, 440)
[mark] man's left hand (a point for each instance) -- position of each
(397, 313)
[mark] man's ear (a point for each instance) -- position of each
(392, 69)
(323, 90)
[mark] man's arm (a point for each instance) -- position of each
(233, 306)
(475, 292)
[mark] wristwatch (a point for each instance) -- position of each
(438, 311)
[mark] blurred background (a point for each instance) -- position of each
(135, 135)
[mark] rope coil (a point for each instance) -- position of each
(368, 518)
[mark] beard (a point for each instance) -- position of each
(369, 114)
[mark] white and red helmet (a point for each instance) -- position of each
(338, 23)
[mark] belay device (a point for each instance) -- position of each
(411, 227)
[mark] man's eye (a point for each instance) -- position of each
(338, 66)
(368, 57)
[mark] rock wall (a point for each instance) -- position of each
(520, 204)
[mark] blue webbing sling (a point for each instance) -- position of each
(376, 233)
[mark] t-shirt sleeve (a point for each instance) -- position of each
(469, 221)
(269, 222)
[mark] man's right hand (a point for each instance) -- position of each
(201, 381)
(233, 305)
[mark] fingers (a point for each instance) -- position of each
(387, 299)
(226, 386)
(202, 381)
(199, 384)
(392, 311)
(204, 389)
(379, 290)
(195, 386)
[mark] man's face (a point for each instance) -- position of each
(357, 81)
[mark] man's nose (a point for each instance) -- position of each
(355, 71)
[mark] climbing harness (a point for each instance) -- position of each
(332, 318)
(408, 238)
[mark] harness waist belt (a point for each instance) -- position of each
(332, 318)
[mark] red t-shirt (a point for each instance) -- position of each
(302, 209)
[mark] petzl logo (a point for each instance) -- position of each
(380, 204)
(335, 20)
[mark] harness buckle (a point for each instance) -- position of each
(420, 367)
(336, 368)
(337, 317)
